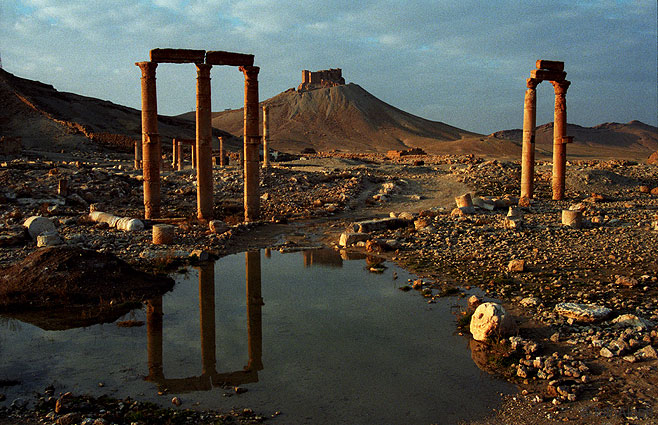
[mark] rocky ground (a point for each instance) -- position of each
(569, 367)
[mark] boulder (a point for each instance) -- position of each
(37, 225)
(491, 320)
(50, 238)
(516, 266)
(631, 321)
(582, 312)
(347, 239)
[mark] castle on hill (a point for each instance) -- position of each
(321, 79)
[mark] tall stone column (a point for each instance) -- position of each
(528, 149)
(154, 339)
(251, 143)
(207, 316)
(203, 144)
(151, 149)
(266, 135)
(559, 138)
(221, 152)
(254, 311)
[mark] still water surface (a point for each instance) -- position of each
(314, 336)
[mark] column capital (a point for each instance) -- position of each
(250, 72)
(561, 87)
(532, 83)
(147, 67)
(203, 70)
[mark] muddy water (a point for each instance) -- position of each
(312, 335)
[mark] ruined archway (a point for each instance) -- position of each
(552, 71)
(151, 150)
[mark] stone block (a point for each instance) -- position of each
(217, 226)
(582, 312)
(177, 56)
(163, 234)
(380, 224)
(484, 203)
(50, 238)
(541, 74)
(219, 57)
(516, 266)
(572, 218)
(347, 239)
(550, 65)
(37, 225)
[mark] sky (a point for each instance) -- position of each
(461, 62)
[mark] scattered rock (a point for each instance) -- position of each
(491, 320)
(516, 266)
(36, 225)
(582, 312)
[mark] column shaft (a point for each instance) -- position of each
(174, 159)
(559, 139)
(254, 311)
(528, 149)
(204, 144)
(266, 135)
(251, 143)
(151, 149)
(179, 156)
(221, 152)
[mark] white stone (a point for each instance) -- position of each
(491, 320)
(37, 225)
(49, 239)
(582, 312)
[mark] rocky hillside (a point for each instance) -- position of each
(51, 120)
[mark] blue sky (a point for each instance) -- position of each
(461, 62)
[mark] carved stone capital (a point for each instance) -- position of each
(561, 87)
(148, 69)
(532, 83)
(250, 72)
(203, 70)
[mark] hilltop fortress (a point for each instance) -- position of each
(321, 79)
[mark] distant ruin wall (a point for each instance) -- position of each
(321, 79)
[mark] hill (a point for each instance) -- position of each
(633, 140)
(48, 119)
(348, 118)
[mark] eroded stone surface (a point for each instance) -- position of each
(582, 312)
(491, 320)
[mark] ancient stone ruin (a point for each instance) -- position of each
(149, 152)
(321, 79)
(552, 71)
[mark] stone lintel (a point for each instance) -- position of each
(229, 58)
(177, 55)
(550, 65)
(542, 74)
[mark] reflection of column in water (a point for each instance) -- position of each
(268, 253)
(154, 338)
(308, 258)
(254, 311)
(207, 316)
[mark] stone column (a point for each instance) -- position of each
(251, 143)
(528, 150)
(221, 152)
(151, 150)
(203, 144)
(207, 317)
(179, 155)
(559, 138)
(138, 154)
(154, 339)
(174, 153)
(266, 135)
(254, 311)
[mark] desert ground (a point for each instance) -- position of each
(567, 370)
